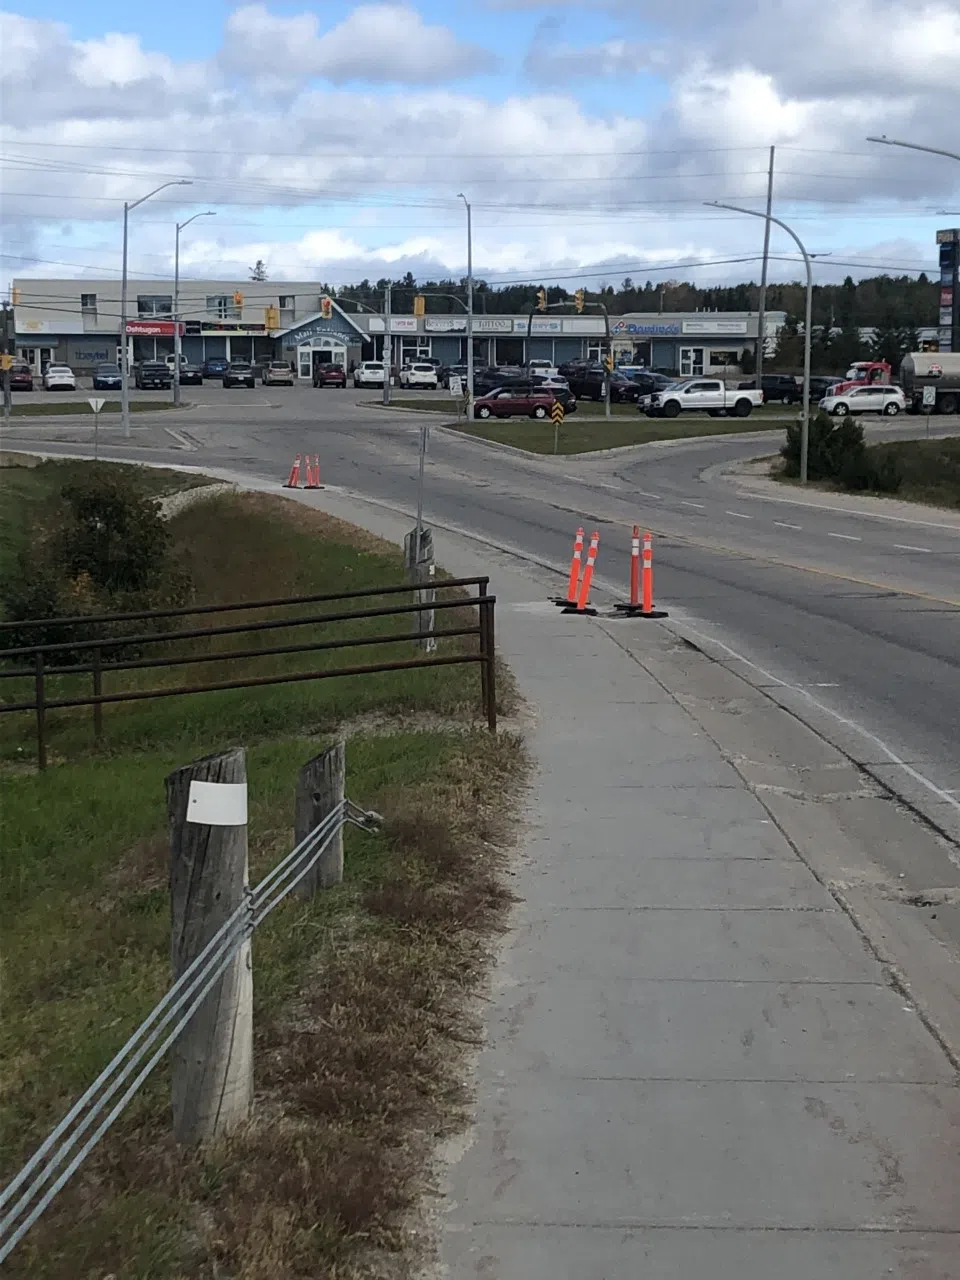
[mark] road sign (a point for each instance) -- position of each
(556, 413)
(96, 405)
(456, 387)
(929, 397)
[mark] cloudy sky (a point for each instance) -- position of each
(332, 138)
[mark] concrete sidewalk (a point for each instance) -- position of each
(697, 1068)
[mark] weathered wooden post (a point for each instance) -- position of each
(213, 1056)
(420, 570)
(320, 788)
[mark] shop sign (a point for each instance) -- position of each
(320, 329)
(492, 324)
(950, 236)
(946, 315)
(725, 327)
(650, 329)
(445, 324)
(584, 325)
(539, 325)
(151, 328)
(946, 297)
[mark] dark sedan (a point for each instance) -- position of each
(21, 377)
(191, 375)
(329, 375)
(106, 377)
(152, 373)
(239, 373)
(215, 367)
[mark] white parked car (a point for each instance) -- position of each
(59, 377)
(418, 375)
(886, 400)
(552, 382)
(370, 373)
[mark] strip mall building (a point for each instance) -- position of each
(77, 322)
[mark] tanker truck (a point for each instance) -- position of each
(937, 369)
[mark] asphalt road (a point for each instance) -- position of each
(859, 614)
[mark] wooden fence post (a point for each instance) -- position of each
(213, 1056)
(320, 788)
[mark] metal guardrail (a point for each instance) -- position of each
(44, 656)
(58, 1157)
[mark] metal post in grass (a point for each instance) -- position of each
(488, 659)
(41, 706)
(213, 1056)
(320, 789)
(97, 669)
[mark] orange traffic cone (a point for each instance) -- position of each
(313, 473)
(582, 604)
(293, 480)
(576, 564)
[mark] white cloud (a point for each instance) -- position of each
(555, 183)
(375, 42)
(611, 58)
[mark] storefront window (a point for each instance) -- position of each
(721, 359)
(691, 362)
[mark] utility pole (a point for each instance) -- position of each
(762, 308)
(176, 304)
(9, 351)
(469, 309)
(387, 345)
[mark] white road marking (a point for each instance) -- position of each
(905, 546)
(641, 493)
(782, 524)
(685, 502)
(739, 514)
(946, 796)
(847, 537)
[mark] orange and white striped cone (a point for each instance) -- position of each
(576, 564)
(293, 480)
(641, 580)
(313, 473)
(582, 603)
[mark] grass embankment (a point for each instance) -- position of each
(581, 433)
(54, 408)
(929, 471)
(358, 995)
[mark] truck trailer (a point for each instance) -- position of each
(937, 369)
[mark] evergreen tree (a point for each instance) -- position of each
(258, 271)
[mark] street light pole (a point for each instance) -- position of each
(128, 207)
(915, 146)
(387, 343)
(469, 308)
(176, 304)
(807, 332)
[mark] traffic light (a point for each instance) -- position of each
(326, 309)
(271, 317)
(541, 299)
(419, 305)
(15, 296)
(578, 300)
(608, 362)
(238, 299)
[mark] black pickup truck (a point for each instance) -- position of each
(152, 373)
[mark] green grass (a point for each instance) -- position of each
(51, 409)
(359, 994)
(930, 471)
(582, 433)
(28, 486)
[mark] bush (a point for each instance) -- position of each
(881, 474)
(836, 445)
(103, 549)
(113, 533)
